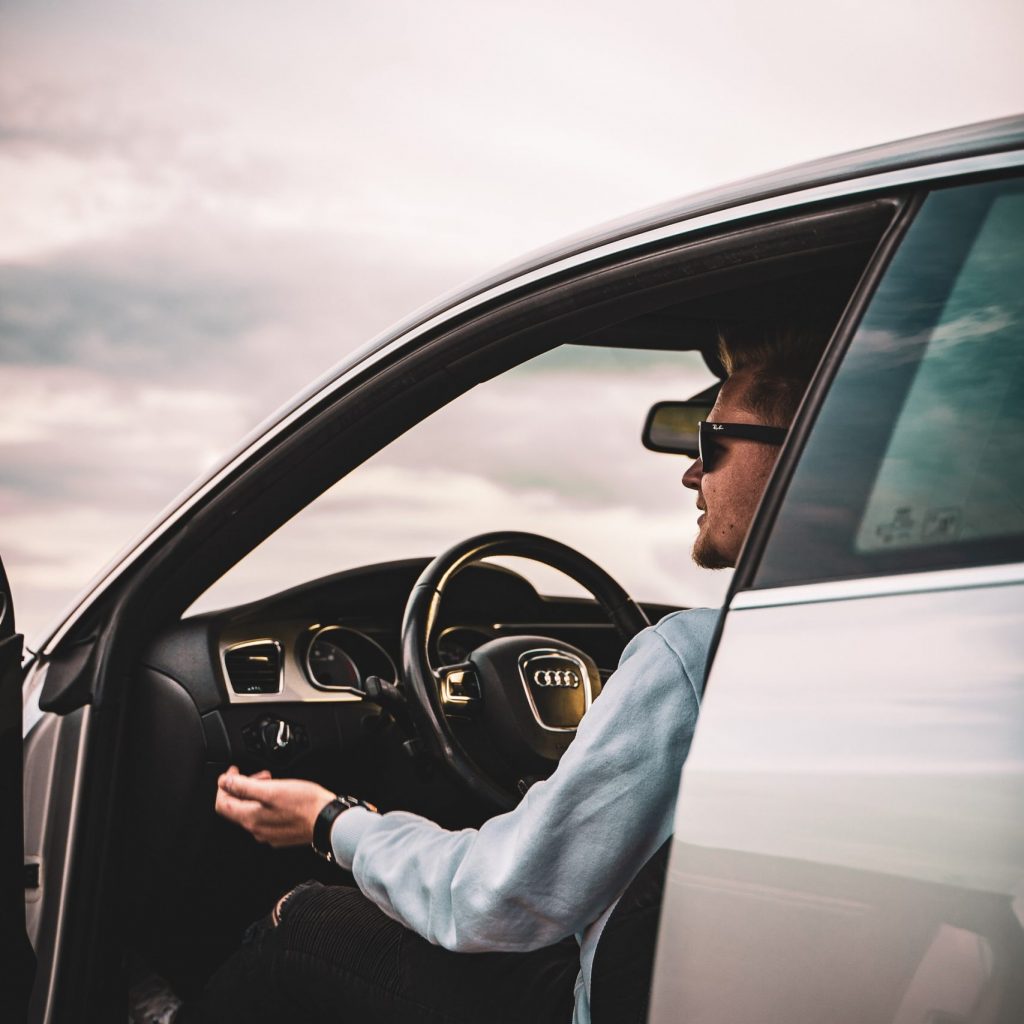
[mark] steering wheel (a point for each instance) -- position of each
(528, 692)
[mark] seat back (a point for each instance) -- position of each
(620, 985)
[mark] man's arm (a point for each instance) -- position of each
(548, 868)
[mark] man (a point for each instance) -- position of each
(474, 925)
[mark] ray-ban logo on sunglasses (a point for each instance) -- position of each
(710, 436)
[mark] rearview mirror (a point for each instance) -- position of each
(672, 426)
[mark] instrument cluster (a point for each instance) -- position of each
(339, 658)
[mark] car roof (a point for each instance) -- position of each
(985, 137)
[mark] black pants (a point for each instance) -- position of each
(334, 956)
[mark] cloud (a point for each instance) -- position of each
(204, 210)
(76, 435)
(567, 423)
(73, 313)
(552, 447)
(386, 511)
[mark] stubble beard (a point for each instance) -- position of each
(706, 555)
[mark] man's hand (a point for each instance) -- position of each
(280, 812)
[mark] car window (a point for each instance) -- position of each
(917, 459)
(552, 446)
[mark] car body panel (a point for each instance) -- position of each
(54, 759)
(849, 840)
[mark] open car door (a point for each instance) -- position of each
(15, 951)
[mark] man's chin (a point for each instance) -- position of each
(707, 556)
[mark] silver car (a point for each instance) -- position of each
(849, 842)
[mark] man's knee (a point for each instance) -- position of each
(288, 900)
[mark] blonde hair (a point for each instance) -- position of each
(780, 360)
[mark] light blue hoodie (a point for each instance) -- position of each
(555, 865)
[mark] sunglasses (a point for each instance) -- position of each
(711, 435)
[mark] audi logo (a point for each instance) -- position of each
(556, 677)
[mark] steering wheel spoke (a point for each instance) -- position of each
(459, 686)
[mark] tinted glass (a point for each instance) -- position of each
(917, 460)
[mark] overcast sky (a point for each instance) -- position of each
(206, 205)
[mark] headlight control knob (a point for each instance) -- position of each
(275, 735)
(274, 738)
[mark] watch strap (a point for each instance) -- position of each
(325, 821)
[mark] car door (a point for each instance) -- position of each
(88, 672)
(850, 831)
(15, 951)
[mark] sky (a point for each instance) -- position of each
(207, 205)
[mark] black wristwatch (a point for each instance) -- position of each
(326, 819)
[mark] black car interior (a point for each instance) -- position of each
(316, 696)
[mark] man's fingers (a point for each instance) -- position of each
(245, 801)
(233, 772)
(228, 807)
(276, 811)
(247, 787)
(241, 812)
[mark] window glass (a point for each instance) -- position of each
(917, 459)
(552, 446)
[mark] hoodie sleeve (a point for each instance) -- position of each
(546, 869)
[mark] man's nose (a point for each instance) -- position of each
(692, 477)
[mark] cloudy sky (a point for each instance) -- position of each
(206, 205)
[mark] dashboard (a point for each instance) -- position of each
(296, 660)
(277, 684)
(257, 673)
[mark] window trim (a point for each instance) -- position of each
(807, 412)
(385, 396)
(1004, 574)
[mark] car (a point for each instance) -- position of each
(849, 840)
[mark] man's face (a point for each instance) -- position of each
(728, 496)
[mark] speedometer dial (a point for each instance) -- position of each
(340, 658)
(329, 665)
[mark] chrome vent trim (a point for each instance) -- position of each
(254, 666)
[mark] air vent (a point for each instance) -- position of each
(254, 667)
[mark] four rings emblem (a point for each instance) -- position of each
(556, 677)
(557, 685)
